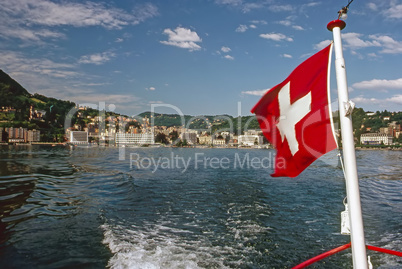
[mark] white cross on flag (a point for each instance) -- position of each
(295, 116)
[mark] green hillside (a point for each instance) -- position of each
(217, 122)
(13, 95)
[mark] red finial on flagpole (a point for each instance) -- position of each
(336, 23)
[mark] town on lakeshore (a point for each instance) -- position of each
(27, 118)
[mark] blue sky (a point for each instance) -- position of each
(200, 56)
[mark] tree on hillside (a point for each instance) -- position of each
(161, 138)
(173, 136)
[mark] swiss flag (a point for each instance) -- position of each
(295, 116)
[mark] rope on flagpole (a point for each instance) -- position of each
(341, 160)
(344, 10)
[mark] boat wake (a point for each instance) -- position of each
(159, 247)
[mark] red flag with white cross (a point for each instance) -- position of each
(295, 116)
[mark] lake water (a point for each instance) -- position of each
(63, 207)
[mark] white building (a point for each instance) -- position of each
(375, 139)
(205, 140)
(250, 140)
(135, 139)
(78, 137)
(219, 142)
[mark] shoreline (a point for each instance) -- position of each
(398, 148)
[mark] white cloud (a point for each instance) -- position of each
(395, 99)
(297, 27)
(20, 64)
(289, 23)
(262, 22)
(280, 8)
(90, 84)
(360, 100)
(228, 57)
(354, 41)
(119, 40)
(101, 97)
(44, 12)
(97, 58)
(16, 31)
(256, 92)
(242, 28)
(322, 44)
(287, 56)
(311, 4)
(182, 38)
(379, 84)
(247, 7)
(225, 49)
(388, 44)
(229, 2)
(28, 19)
(156, 102)
(372, 6)
(151, 89)
(394, 12)
(276, 37)
(392, 103)
(252, 26)
(242, 5)
(285, 22)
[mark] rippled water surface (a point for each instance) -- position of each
(186, 208)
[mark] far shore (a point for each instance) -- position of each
(172, 146)
(378, 148)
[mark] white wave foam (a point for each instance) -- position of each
(154, 249)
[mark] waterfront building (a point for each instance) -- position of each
(375, 139)
(33, 135)
(78, 137)
(19, 135)
(250, 140)
(219, 142)
(135, 139)
(205, 140)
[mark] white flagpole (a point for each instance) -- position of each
(352, 182)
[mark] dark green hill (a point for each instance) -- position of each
(9, 89)
(13, 95)
(206, 122)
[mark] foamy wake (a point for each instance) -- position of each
(393, 242)
(158, 248)
(196, 243)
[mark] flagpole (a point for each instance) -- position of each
(352, 182)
